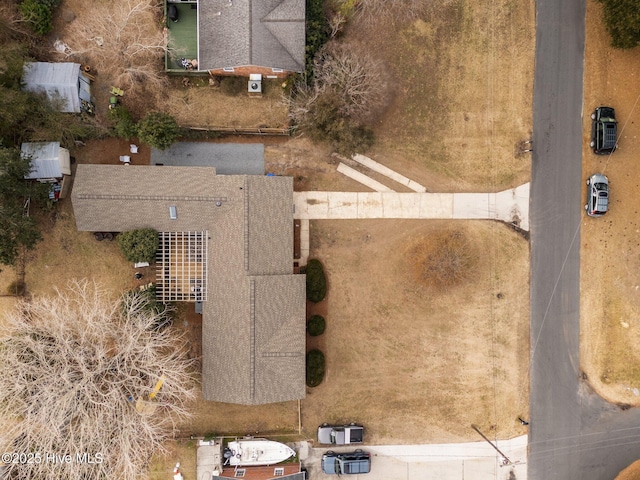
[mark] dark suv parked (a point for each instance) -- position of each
(348, 463)
(604, 131)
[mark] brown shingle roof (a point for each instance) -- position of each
(253, 322)
(267, 33)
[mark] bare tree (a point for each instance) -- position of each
(89, 387)
(123, 41)
(336, 21)
(12, 23)
(348, 72)
(356, 75)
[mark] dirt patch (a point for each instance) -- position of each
(610, 246)
(444, 260)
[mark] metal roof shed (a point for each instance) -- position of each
(61, 82)
(48, 160)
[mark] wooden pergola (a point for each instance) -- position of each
(181, 261)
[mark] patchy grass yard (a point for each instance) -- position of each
(610, 246)
(463, 79)
(432, 360)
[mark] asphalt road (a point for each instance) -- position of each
(573, 434)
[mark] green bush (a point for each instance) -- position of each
(123, 124)
(139, 245)
(316, 281)
(316, 325)
(324, 122)
(317, 33)
(160, 130)
(233, 86)
(38, 15)
(12, 70)
(315, 368)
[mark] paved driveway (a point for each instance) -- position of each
(456, 461)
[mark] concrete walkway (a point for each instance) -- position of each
(387, 172)
(362, 178)
(450, 461)
(511, 206)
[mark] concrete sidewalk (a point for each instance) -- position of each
(510, 206)
(387, 172)
(449, 461)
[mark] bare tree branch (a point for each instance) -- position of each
(348, 72)
(124, 43)
(72, 369)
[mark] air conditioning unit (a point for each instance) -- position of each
(255, 83)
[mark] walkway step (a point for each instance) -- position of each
(362, 178)
(387, 172)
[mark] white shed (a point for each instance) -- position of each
(49, 161)
(61, 82)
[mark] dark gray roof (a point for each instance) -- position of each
(254, 320)
(226, 158)
(266, 33)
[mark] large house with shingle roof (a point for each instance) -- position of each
(242, 37)
(227, 240)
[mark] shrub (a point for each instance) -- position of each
(38, 15)
(158, 129)
(233, 86)
(12, 70)
(622, 20)
(315, 368)
(316, 325)
(316, 281)
(123, 124)
(17, 287)
(317, 33)
(139, 245)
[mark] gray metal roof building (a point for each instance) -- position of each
(62, 83)
(253, 338)
(226, 158)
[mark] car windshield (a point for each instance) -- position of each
(338, 466)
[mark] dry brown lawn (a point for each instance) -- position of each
(417, 364)
(462, 79)
(610, 246)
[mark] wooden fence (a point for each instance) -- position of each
(245, 131)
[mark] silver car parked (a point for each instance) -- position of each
(597, 195)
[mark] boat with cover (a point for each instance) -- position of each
(256, 451)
